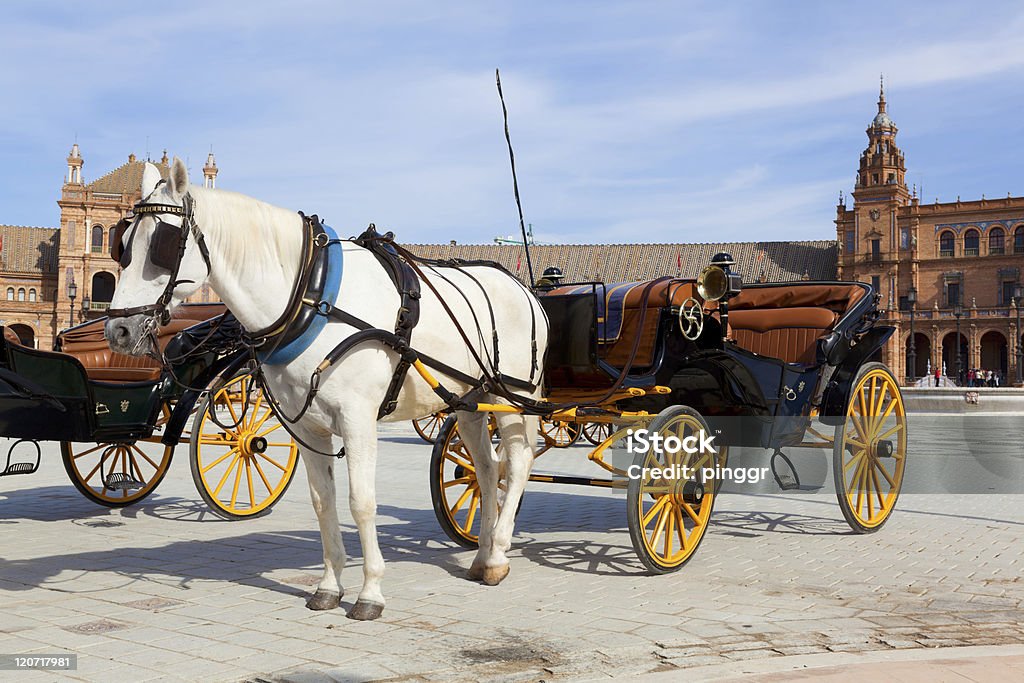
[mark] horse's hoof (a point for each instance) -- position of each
(492, 576)
(323, 599)
(365, 611)
(475, 572)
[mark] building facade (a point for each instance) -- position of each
(52, 278)
(961, 261)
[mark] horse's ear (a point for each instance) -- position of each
(178, 180)
(150, 177)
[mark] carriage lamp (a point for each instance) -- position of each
(86, 301)
(1018, 297)
(912, 351)
(72, 292)
(718, 283)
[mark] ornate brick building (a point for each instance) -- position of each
(960, 260)
(52, 278)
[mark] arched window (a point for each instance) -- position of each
(10, 293)
(946, 242)
(32, 295)
(110, 236)
(1018, 240)
(97, 239)
(972, 238)
(996, 241)
(21, 293)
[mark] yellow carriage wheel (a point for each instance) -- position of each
(668, 516)
(242, 458)
(870, 452)
(429, 426)
(117, 474)
(560, 434)
(454, 489)
(597, 432)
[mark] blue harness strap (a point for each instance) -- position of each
(332, 284)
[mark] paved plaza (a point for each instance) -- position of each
(165, 591)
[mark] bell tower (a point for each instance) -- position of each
(870, 234)
(882, 169)
(210, 171)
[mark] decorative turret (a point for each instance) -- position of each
(881, 164)
(210, 172)
(75, 163)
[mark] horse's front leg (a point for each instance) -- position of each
(361, 453)
(320, 471)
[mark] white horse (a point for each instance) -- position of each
(253, 259)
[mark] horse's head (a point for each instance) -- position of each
(163, 260)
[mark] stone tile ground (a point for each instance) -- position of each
(164, 590)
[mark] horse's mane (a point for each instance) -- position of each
(247, 232)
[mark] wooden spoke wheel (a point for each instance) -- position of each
(242, 458)
(668, 516)
(428, 427)
(870, 451)
(120, 473)
(560, 434)
(454, 490)
(597, 432)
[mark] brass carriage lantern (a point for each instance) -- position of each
(912, 351)
(86, 301)
(1018, 297)
(72, 292)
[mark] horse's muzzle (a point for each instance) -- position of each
(128, 335)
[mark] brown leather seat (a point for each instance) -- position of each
(123, 374)
(786, 321)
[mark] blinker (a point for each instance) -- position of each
(163, 247)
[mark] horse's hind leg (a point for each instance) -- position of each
(361, 453)
(517, 440)
(474, 433)
(320, 470)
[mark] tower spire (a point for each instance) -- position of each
(881, 93)
(210, 171)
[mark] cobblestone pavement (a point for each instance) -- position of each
(163, 590)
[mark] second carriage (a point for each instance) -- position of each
(769, 366)
(118, 419)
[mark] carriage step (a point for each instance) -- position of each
(20, 468)
(23, 467)
(787, 481)
(119, 481)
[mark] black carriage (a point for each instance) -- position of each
(772, 366)
(118, 418)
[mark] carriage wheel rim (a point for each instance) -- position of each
(246, 479)
(93, 466)
(671, 527)
(875, 414)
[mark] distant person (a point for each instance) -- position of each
(970, 377)
(551, 278)
(937, 375)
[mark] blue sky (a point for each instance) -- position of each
(631, 121)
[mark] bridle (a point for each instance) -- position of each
(166, 251)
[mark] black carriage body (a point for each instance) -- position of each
(752, 397)
(50, 396)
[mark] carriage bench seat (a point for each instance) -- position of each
(618, 316)
(789, 334)
(786, 321)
